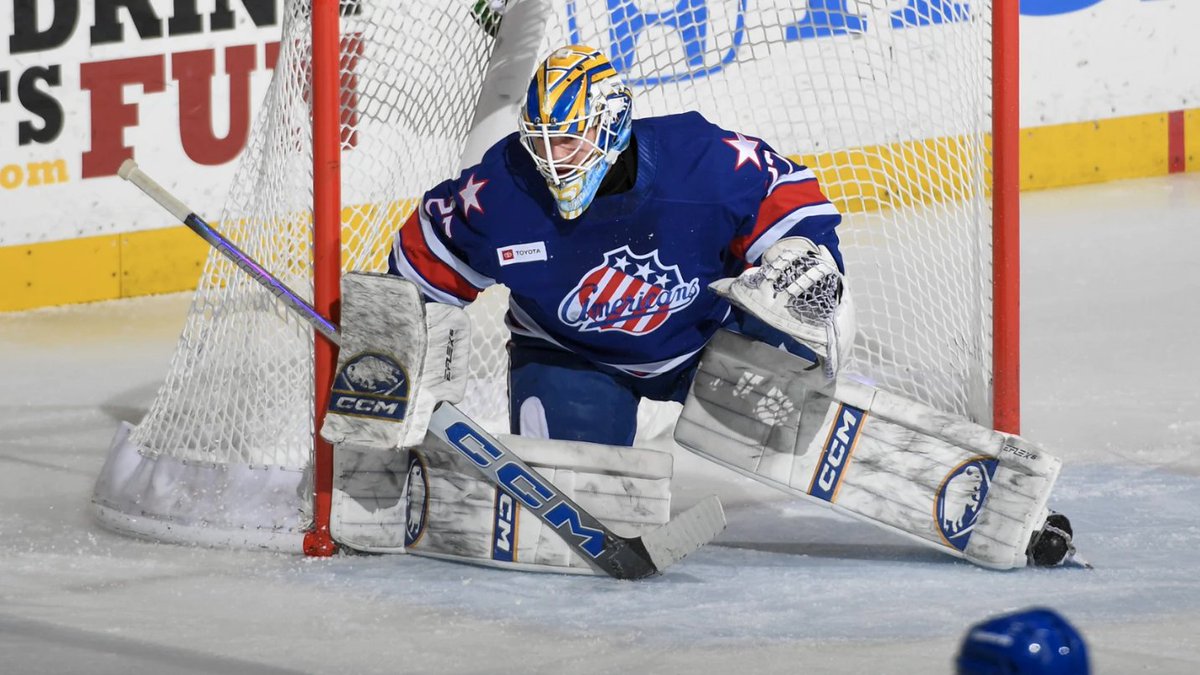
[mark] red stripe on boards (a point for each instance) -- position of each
(1176, 155)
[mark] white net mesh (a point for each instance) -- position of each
(890, 105)
(240, 387)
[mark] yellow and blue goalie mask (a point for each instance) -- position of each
(575, 122)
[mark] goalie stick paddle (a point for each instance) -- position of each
(129, 171)
(619, 557)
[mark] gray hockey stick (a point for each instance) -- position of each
(129, 171)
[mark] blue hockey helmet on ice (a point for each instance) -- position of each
(575, 121)
(1035, 641)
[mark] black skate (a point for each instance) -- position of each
(1052, 545)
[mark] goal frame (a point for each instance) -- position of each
(326, 103)
(1006, 214)
(327, 251)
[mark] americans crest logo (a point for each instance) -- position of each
(628, 292)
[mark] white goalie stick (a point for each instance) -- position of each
(619, 557)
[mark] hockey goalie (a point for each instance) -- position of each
(671, 259)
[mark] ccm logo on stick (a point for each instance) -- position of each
(504, 538)
(526, 487)
(835, 456)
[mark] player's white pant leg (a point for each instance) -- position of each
(399, 357)
(456, 514)
(937, 478)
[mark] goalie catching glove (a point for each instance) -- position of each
(799, 290)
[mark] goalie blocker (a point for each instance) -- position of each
(936, 478)
(399, 356)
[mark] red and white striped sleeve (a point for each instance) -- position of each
(424, 252)
(793, 206)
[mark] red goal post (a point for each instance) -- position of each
(1006, 216)
(327, 248)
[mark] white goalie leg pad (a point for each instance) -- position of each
(939, 479)
(454, 513)
(368, 509)
(398, 358)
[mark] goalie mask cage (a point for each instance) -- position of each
(906, 109)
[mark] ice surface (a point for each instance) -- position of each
(1110, 315)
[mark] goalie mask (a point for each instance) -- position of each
(575, 123)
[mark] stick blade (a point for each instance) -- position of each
(685, 533)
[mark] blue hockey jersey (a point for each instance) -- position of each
(625, 284)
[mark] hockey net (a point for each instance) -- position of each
(889, 100)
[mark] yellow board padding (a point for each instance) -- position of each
(1094, 152)
(368, 229)
(59, 273)
(874, 177)
(1191, 139)
(161, 261)
(924, 172)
